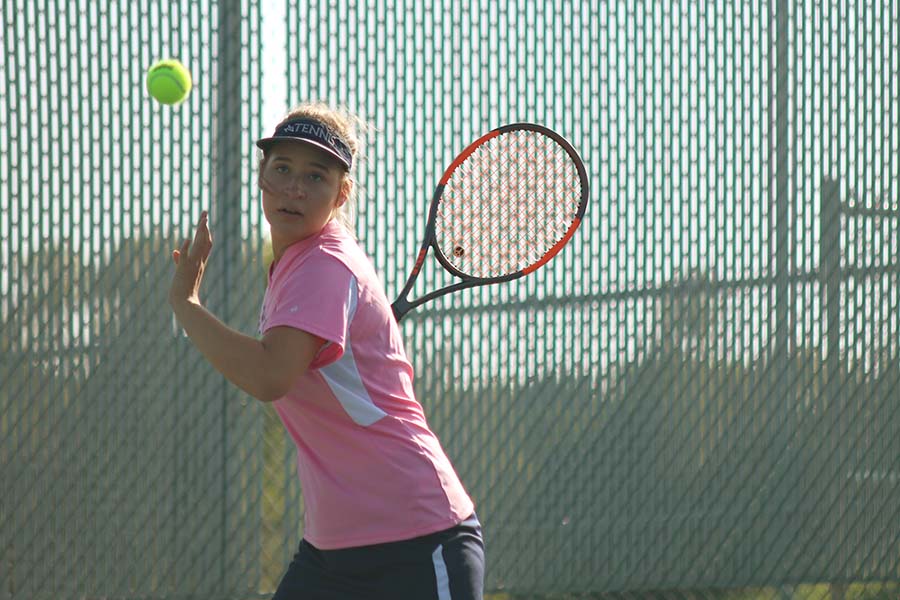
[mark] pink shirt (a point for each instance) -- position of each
(370, 468)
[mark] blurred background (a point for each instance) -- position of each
(699, 398)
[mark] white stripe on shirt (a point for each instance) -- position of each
(343, 377)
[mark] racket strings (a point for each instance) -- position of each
(507, 204)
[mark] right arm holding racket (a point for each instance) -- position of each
(503, 208)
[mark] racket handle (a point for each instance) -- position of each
(400, 307)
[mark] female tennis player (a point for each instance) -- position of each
(386, 514)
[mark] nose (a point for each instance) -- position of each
(286, 185)
(294, 187)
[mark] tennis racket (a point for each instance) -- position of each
(503, 208)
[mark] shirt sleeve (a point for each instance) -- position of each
(318, 296)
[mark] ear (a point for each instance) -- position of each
(344, 193)
(259, 172)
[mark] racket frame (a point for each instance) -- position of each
(403, 305)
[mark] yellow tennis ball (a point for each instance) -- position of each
(169, 81)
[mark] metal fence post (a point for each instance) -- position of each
(227, 206)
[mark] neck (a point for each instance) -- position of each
(281, 244)
(277, 251)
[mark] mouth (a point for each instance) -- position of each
(290, 212)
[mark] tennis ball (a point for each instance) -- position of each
(168, 81)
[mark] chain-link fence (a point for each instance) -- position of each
(699, 398)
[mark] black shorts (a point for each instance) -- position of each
(448, 565)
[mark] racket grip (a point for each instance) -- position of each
(400, 307)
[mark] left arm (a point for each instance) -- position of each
(267, 368)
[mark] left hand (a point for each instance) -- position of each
(190, 262)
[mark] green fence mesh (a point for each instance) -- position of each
(699, 397)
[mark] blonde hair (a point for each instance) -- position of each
(350, 128)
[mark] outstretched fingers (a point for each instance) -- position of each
(202, 239)
(198, 249)
(178, 253)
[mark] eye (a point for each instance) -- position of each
(281, 169)
(315, 176)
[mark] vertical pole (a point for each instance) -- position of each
(779, 403)
(227, 132)
(830, 279)
(780, 169)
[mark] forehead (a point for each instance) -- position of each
(300, 152)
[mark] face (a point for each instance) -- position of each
(302, 188)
